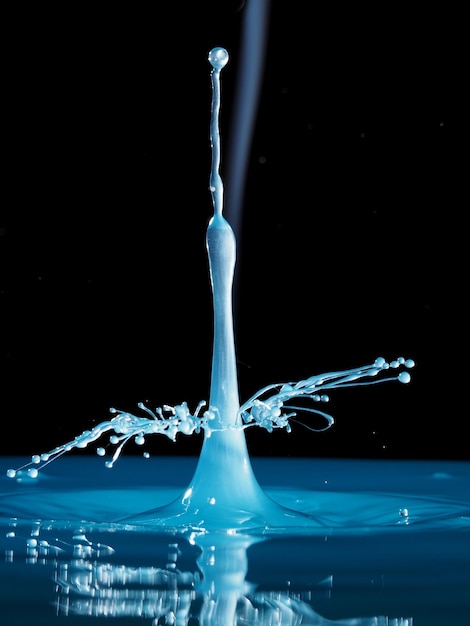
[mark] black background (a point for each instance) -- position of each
(351, 244)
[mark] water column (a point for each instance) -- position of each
(223, 494)
(224, 479)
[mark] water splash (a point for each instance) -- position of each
(224, 493)
(264, 409)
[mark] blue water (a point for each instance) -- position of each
(226, 539)
(223, 493)
(394, 543)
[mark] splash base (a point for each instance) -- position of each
(335, 496)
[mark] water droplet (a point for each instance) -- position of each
(218, 58)
(404, 377)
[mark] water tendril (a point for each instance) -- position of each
(266, 409)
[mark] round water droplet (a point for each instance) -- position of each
(100, 451)
(32, 543)
(404, 377)
(114, 439)
(33, 472)
(218, 58)
(35, 458)
(11, 473)
(409, 363)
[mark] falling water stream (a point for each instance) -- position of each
(232, 540)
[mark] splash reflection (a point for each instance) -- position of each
(203, 581)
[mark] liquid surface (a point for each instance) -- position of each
(394, 549)
(346, 497)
